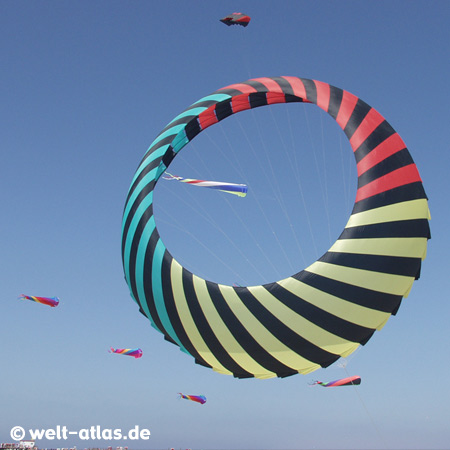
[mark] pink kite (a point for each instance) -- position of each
(349, 381)
(136, 352)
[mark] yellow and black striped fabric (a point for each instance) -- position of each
(312, 318)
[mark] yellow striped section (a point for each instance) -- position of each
(413, 209)
(263, 336)
(303, 327)
(188, 322)
(381, 282)
(357, 314)
(405, 247)
(223, 334)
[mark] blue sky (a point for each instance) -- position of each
(86, 87)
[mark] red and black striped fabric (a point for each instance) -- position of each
(236, 19)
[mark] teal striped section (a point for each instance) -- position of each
(156, 154)
(180, 141)
(189, 112)
(171, 131)
(213, 97)
(147, 179)
(132, 230)
(140, 260)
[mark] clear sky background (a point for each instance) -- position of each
(85, 88)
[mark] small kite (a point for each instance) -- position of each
(49, 301)
(349, 381)
(193, 398)
(230, 188)
(236, 19)
(136, 352)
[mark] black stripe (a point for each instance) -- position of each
(283, 333)
(223, 110)
(359, 113)
(164, 141)
(368, 298)
(169, 339)
(311, 91)
(203, 104)
(336, 95)
(257, 99)
(393, 265)
(260, 87)
(205, 330)
(179, 121)
(379, 135)
(168, 157)
(172, 312)
(192, 128)
(201, 363)
(284, 85)
(319, 317)
(415, 228)
(292, 98)
(240, 333)
(396, 161)
(412, 191)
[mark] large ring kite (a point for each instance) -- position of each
(312, 318)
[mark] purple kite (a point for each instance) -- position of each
(49, 301)
(194, 398)
(136, 352)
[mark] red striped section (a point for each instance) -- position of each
(366, 128)
(400, 177)
(323, 95)
(208, 117)
(348, 104)
(244, 88)
(270, 84)
(275, 97)
(297, 86)
(391, 145)
(240, 103)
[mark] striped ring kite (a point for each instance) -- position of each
(310, 319)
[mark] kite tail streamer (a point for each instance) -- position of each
(230, 188)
